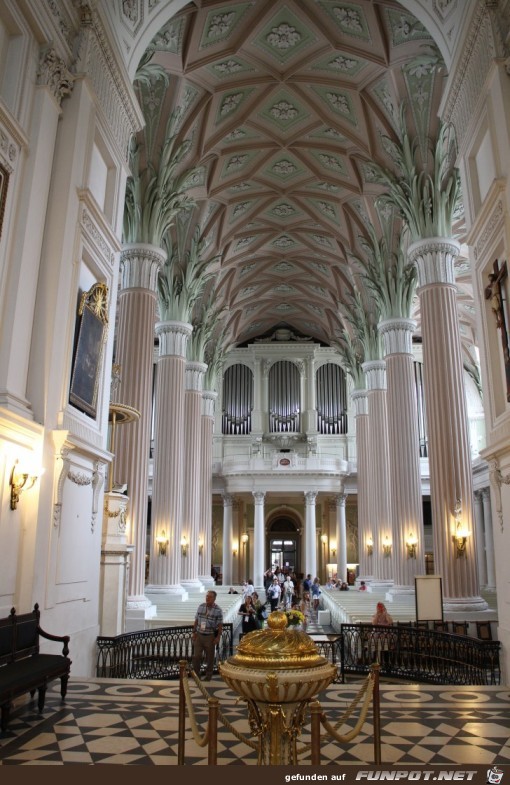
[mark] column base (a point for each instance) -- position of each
(399, 591)
(380, 584)
(173, 589)
(135, 618)
(192, 584)
(464, 604)
(207, 581)
(138, 602)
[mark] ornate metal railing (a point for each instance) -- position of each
(152, 654)
(419, 654)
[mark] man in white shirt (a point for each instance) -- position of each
(288, 593)
(248, 589)
(274, 594)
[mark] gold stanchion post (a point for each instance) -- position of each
(182, 713)
(376, 703)
(212, 747)
(315, 723)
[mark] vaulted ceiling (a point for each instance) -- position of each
(287, 102)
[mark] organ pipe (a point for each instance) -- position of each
(237, 400)
(331, 397)
(284, 397)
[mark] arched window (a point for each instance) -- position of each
(331, 399)
(237, 400)
(284, 398)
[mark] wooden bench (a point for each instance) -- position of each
(22, 667)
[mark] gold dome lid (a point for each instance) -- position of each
(277, 648)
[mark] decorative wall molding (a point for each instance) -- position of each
(494, 222)
(95, 230)
(478, 53)
(497, 479)
(95, 60)
(79, 478)
(52, 72)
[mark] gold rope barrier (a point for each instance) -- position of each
(369, 689)
(214, 712)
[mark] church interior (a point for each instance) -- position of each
(254, 312)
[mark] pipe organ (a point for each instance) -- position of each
(284, 398)
(331, 400)
(237, 400)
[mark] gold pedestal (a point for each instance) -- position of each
(277, 672)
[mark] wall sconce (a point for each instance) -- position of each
(244, 539)
(411, 544)
(20, 481)
(461, 531)
(386, 546)
(200, 546)
(162, 541)
(370, 546)
(184, 545)
(234, 549)
(324, 539)
(333, 549)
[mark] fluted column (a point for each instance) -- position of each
(228, 503)
(379, 473)
(489, 539)
(168, 481)
(139, 269)
(341, 536)
(480, 538)
(206, 461)
(310, 534)
(194, 377)
(366, 533)
(259, 532)
(449, 452)
(404, 451)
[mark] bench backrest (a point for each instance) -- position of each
(19, 636)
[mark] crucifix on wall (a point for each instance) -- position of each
(495, 292)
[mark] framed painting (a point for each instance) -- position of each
(4, 182)
(92, 325)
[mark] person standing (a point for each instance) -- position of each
(381, 615)
(249, 613)
(288, 593)
(207, 629)
(274, 593)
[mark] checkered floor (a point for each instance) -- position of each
(128, 722)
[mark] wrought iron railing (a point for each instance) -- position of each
(419, 654)
(152, 654)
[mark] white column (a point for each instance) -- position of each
(259, 536)
(404, 453)
(167, 485)
(489, 539)
(366, 533)
(140, 265)
(206, 458)
(480, 538)
(341, 536)
(194, 376)
(228, 502)
(379, 473)
(449, 449)
(310, 534)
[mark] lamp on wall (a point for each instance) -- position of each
(411, 545)
(461, 532)
(184, 545)
(386, 546)
(200, 546)
(162, 541)
(21, 479)
(324, 540)
(244, 539)
(333, 549)
(370, 545)
(234, 549)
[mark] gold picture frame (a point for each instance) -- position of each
(92, 328)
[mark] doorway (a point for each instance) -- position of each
(284, 544)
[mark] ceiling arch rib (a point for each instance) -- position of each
(287, 103)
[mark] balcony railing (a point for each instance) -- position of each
(420, 655)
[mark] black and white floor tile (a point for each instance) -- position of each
(114, 721)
